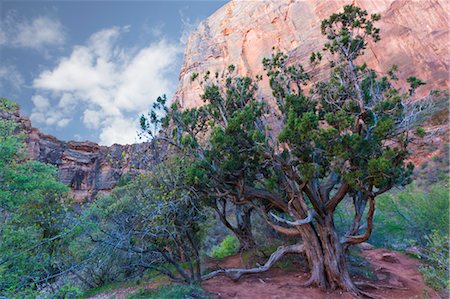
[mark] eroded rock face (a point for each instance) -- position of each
(87, 167)
(414, 35)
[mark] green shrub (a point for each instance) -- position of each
(229, 246)
(436, 254)
(7, 105)
(67, 291)
(172, 292)
(420, 132)
(409, 216)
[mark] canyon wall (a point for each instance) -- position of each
(414, 35)
(86, 167)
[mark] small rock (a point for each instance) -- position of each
(366, 246)
(390, 258)
(413, 251)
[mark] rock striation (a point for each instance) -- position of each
(414, 35)
(86, 167)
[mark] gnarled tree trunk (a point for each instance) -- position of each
(243, 230)
(335, 261)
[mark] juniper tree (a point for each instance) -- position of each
(345, 138)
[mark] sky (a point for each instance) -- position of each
(87, 70)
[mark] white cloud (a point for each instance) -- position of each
(11, 76)
(43, 112)
(91, 118)
(40, 103)
(119, 130)
(111, 84)
(36, 33)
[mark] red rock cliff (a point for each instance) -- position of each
(414, 35)
(86, 167)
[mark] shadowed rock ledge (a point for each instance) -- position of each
(86, 167)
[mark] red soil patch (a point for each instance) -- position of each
(391, 268)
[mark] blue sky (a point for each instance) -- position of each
(86, 70)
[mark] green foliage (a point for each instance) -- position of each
(420, 132)
(67, 291)
(33, 215)
(351, 20)
(150, 224)
(414, 84)
(7, 105)
(436, 266)
(229, 246)
(172, 292)
(412, 215)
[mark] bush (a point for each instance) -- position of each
(7, 105)
(68, 291)
(229, 246)
(436, 254)
(411, 215)
(420, 132)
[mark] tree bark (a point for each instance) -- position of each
(244, 228)
(334, 258)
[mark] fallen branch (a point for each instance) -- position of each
(235, 274)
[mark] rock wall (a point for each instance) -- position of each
(414, 35)
(88, 168)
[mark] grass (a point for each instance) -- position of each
(105, 288)
(172, 291)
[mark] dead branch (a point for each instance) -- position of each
(235, 274)
(299, 222)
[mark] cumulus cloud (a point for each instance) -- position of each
(44, 113)
(111, 84)
(36, 33)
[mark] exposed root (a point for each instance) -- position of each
(235, 274)
(378, 287)
(309, 283)
(369, 296)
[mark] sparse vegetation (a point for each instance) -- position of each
(172, 292)
(229, 246)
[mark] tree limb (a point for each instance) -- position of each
(235, 274)
(298, 222)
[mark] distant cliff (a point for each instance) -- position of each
(86, 167)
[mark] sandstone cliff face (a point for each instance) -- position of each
(86, 167)
(415, 36)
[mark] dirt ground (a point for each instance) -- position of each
(395, 277)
